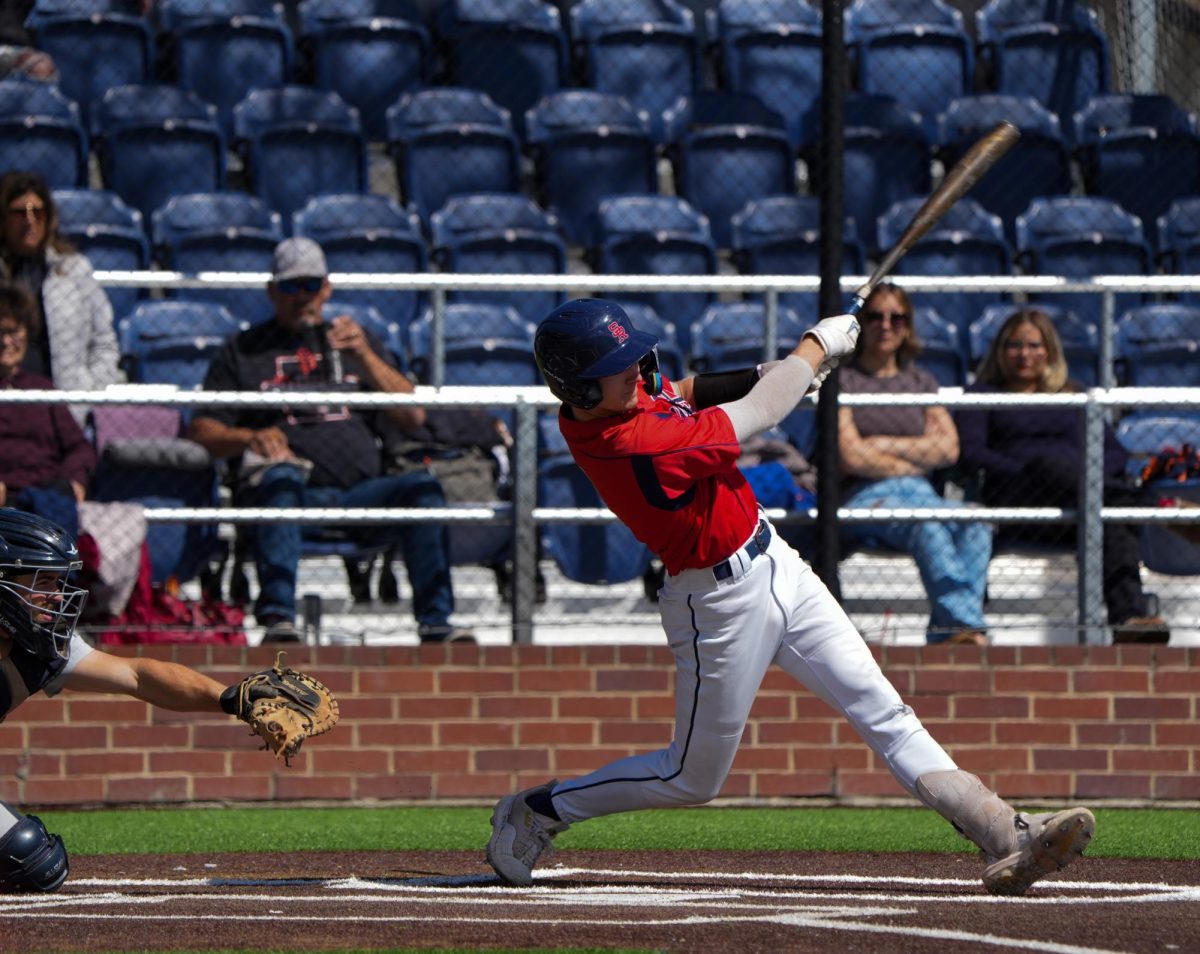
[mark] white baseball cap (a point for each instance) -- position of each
(298, 258)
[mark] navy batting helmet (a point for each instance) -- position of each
(591, 338)
(31, 859)
(38, 607)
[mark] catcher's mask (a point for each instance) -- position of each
(39, 608)
(31, 859)
(587, 339)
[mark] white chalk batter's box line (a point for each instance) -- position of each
(731, 900)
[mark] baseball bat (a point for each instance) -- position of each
(966, 172)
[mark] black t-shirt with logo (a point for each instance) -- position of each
(343, 444)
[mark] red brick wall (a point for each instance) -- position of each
(464, 722)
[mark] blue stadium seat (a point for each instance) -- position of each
(297, 143)
(483, 345)
(172, 342)
(369, 234)
(1142, 151)
(645, 50)
(727, 150)
(226, 49)
(1080, 338)
(95, 45)
(1081, 237)
(219, 232)
(772, 50)
(1179, 240)
(450, 142)
(657, 235)
(40, 131)
(595, 553)
(369, 52)
(1039, 164)
(915, 50)
(1144, 435)
(1159, 346)
(732, 335)
(780, 235)
(588, 145)
(514, 50)
(389, 334)
(671, 354)
(941, 348)
(887, 157)
(500, 233)
(1054, 52)
(156, 141)
(968, 240)
(109, 233)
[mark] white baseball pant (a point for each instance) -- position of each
(725, 633)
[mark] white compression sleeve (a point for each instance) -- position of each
(771, 399)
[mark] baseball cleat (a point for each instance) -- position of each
(520, 836)
(1044, 844)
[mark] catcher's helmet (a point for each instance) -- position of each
(590, 338)
(38, 607)
(31, 859)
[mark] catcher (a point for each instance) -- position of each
(41, 650)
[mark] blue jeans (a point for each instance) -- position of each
(424, 546)
(952, 557)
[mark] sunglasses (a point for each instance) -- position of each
(37, 211)
(896, 317)
(294, 286)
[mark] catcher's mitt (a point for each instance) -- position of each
(282, 706)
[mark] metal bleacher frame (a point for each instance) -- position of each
(524, 515)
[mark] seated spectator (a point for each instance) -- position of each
(46, 461)
(320, 456)
(74, 344)
(1031, 457)
(18, 56)
(887, 457)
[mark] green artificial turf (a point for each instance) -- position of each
(1130, 833)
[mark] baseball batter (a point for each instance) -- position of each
(736, 597)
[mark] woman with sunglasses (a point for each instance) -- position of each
(888, 454)
(1030, 457)
(76, 345)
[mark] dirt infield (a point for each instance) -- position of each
(670, 901)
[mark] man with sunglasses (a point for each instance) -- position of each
(326, 456)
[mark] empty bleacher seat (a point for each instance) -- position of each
(588, 145)
(1159, 346)
(297, 143)
(644, 50)
(219, 232)
(368, 234)
(772, 50)
(942, 353)
(728, 148)
(500, 233)
(157, 141)
(449, 142)
(1179, 240)
(369, 52)
(1080, 337)
(732, 335)
(657, 235)
(482, 345)
(41, 131)
(172, 342)
(226, 49)
(109, 233)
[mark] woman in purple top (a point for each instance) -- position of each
(1031, 457)
(888, 454)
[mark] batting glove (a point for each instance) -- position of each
(821, 374)
(837, 335)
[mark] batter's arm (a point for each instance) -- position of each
(777, 392)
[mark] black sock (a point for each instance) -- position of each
(541, 802)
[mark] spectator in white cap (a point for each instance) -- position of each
(327, 456)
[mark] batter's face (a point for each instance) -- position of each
(1023, 358)
(618, 394)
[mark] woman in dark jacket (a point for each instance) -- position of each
(1031, 457)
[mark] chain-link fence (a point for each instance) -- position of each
(616, 137)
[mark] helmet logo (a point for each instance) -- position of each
(617, 330)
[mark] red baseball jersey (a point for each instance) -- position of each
(669, 474)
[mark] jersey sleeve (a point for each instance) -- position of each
(78, 650)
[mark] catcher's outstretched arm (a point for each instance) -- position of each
(165, 685)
